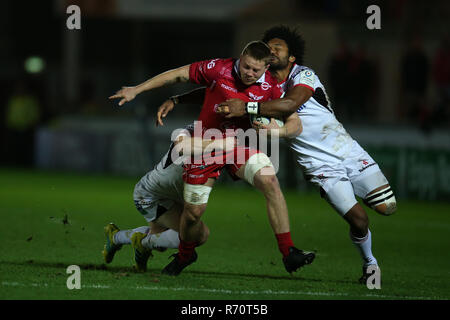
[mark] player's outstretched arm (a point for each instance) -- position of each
(278, 108)
(195, 96)
(127, 94)
(292, 127)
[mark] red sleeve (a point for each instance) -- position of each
(204, 72)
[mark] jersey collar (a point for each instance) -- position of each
(289, 75)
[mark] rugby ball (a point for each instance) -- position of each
(265, 120)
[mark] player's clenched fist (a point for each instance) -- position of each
(126, 93)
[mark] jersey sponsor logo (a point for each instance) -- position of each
(212, 64)
(265, 86)
(255, 97)
(143, 202)
(307, 78)
(201, 167)
(372, 164)
(228, 88)
(196, 176)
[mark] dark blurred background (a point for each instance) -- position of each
(389, 87)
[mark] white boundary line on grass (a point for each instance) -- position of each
(231, 292)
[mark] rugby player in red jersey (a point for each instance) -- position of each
(246, 78)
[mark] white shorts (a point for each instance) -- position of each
(152, 209)
(357, 175)
(151, 205)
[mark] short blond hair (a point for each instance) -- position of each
(257, 50)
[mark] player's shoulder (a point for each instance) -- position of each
(298, 71)
(219, 66)
(222, 63)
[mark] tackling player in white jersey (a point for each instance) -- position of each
(328, 155)
(158, 196)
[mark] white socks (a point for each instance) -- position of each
(364, 246)
(166, 239)
(124, 236)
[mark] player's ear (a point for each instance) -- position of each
(291, 59)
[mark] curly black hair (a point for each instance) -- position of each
(293, 39)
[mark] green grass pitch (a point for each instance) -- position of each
(240, 260)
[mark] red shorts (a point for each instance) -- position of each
(200, 171)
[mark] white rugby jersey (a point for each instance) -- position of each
(163, 182)
(323, 139)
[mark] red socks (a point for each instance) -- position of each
(186, 250)
(284, 242)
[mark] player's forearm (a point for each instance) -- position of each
(292, 127)
(202, 145)
(278, 108)
(286, 106)
(163, 79)
(195, 146)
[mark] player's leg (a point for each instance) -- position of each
(341, 197)
(111, 245)
(123, 237)
(164, 231)
(382, 200)
(259, 172)
(153, 210)
(369, 182)
(159, 236)
(193, 231)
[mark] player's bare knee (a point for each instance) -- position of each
(382, 201)
(266, 182)
(193, 213)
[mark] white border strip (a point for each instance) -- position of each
(234, 292)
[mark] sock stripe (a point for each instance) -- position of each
(359, 240)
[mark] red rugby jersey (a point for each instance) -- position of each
(221, 78)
